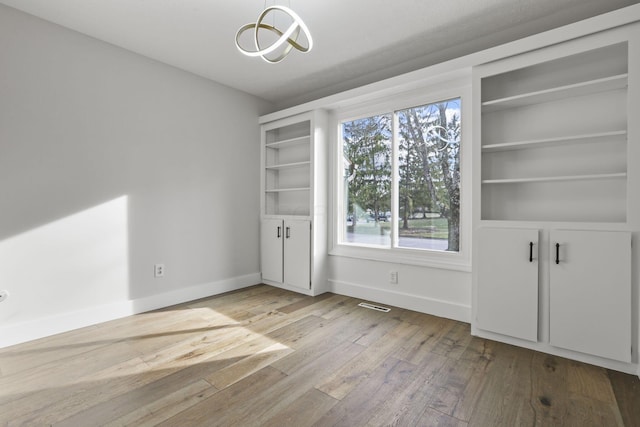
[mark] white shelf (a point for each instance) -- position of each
(533, 143)
(301, 140)
(289, 165)
(555, 93)
(283, 190)
(556, 178)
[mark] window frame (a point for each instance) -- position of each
(460, 260)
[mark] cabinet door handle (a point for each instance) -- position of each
(279, 232)
(530, 251)
(557, 253)
(288, 232)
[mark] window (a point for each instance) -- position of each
(401, 179)
(367, 179)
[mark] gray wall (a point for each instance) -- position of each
(111, 162)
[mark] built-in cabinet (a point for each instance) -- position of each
(554, 195)
(590, 292)
(508, 271)
(293, 202)
(589, 280)
(285, 246)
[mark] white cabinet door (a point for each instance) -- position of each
(297, 253)
(271, 239)
(507, 283)
(590, 293)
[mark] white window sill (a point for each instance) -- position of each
(422, 258)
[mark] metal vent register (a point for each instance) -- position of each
(374, 307)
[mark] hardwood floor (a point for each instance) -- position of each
(264, 356)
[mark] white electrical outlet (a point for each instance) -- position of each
(4, 294)
(158, 270)
(393, 277)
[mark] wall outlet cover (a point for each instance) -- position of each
(158, 270)
(393, 277)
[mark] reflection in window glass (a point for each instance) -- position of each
(367, 180)
(429, 170)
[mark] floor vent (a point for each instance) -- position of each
(374, 307)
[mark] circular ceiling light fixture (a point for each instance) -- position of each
(286, 41)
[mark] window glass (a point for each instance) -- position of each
(426, 211)
(429, 171)
(367, 180)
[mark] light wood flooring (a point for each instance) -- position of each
(264, 356)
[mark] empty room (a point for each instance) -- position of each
(319, 213)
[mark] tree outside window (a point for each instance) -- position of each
(427, 215)
(367, 179)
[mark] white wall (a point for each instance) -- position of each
(109, 163)
(441, 292)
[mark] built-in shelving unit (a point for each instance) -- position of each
(293, 206)
(556, 199)
(287, 156)
(554, 139)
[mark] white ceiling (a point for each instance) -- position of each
(355, 41)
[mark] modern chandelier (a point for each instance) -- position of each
(287, 40)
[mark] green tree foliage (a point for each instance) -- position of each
(429, 164)
(367, 152)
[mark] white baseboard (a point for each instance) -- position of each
(47, 326)
(422, 304)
